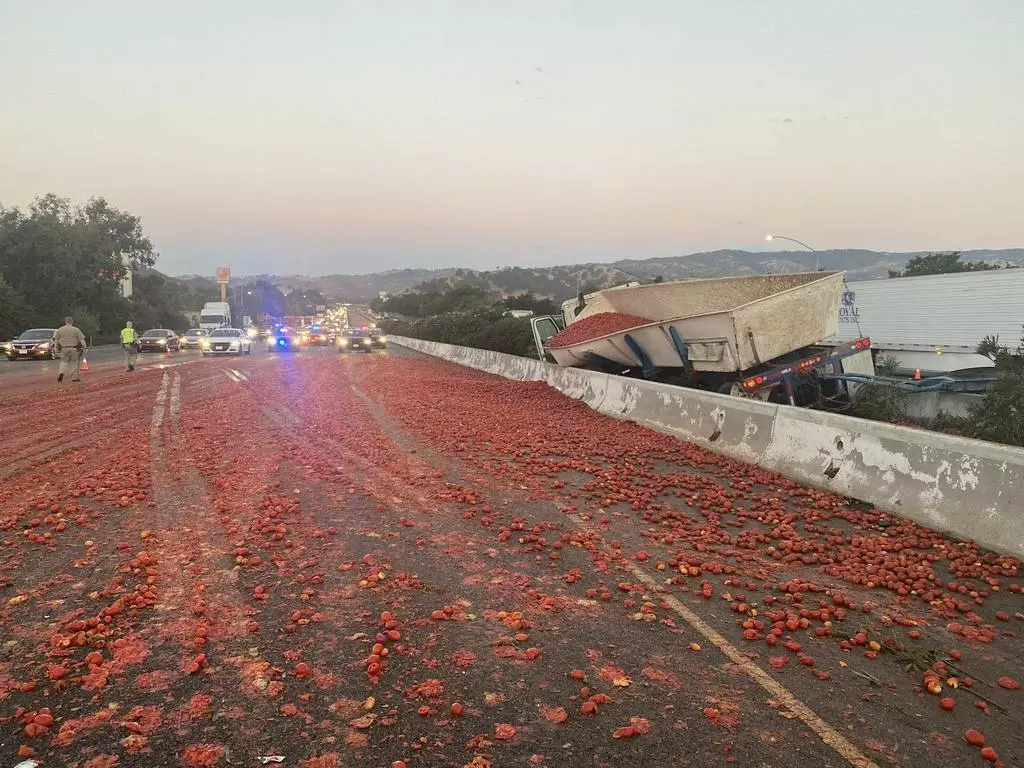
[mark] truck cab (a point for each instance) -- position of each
(214, 315)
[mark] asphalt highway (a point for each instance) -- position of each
(386, 560)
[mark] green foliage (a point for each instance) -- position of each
(88, 322)
(1005, 360)
(941, 264)
(536, 304)
(952, 425)
(59, 258)
(14, 314)
(999, 417)
(196, 291)
(886, 366)
(304, 301)
(264, 297)
(482, 328)
(462, 298)
(880, 401)
(156, 302)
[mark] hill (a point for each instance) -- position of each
(560, 282)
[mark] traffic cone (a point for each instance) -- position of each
(85, 365)
(917, 375)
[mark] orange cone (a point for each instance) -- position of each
(917, 375)
(85, 365)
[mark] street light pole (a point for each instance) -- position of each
(817, 257)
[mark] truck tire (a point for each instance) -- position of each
(733, 389)
(730, 388)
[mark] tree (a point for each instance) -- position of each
(304, 301)
(157, 302)
(464, 297)
(58, 256)
(482, 328)
(264, 297)
(999, 417)
(536, 304)
(941, 264)
(14, 315)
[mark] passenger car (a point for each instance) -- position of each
(320, 335)
(355, 340)
(33, 344)
(193, 338)
(284, 340)
(227, 341)
(377, 339)
(159, 340)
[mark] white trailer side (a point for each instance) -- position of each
(935, 322)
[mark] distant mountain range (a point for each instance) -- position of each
(560, 282)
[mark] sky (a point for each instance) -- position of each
(334, 136)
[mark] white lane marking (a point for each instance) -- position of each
(175, 395)
(829, 735)
(158, 407)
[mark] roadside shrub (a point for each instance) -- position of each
(488, 328)
(1000, 416)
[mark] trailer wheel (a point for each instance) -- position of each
(735, 390)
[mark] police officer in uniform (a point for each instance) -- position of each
(129, 342)
(70, 343)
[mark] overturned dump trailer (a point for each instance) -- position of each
(758, 336)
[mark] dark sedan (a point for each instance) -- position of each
(377, 339)
(159, 340)
(34, 344)
(355, 340)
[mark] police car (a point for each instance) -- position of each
(320, 335)
(355, 340)
(284, 340)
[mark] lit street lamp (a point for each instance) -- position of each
(817, 259)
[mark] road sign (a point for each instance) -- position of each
(223, 275)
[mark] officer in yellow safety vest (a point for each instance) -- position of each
(129, 342)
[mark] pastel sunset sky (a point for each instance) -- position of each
(327, 136)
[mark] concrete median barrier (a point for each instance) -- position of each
(968, 488)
